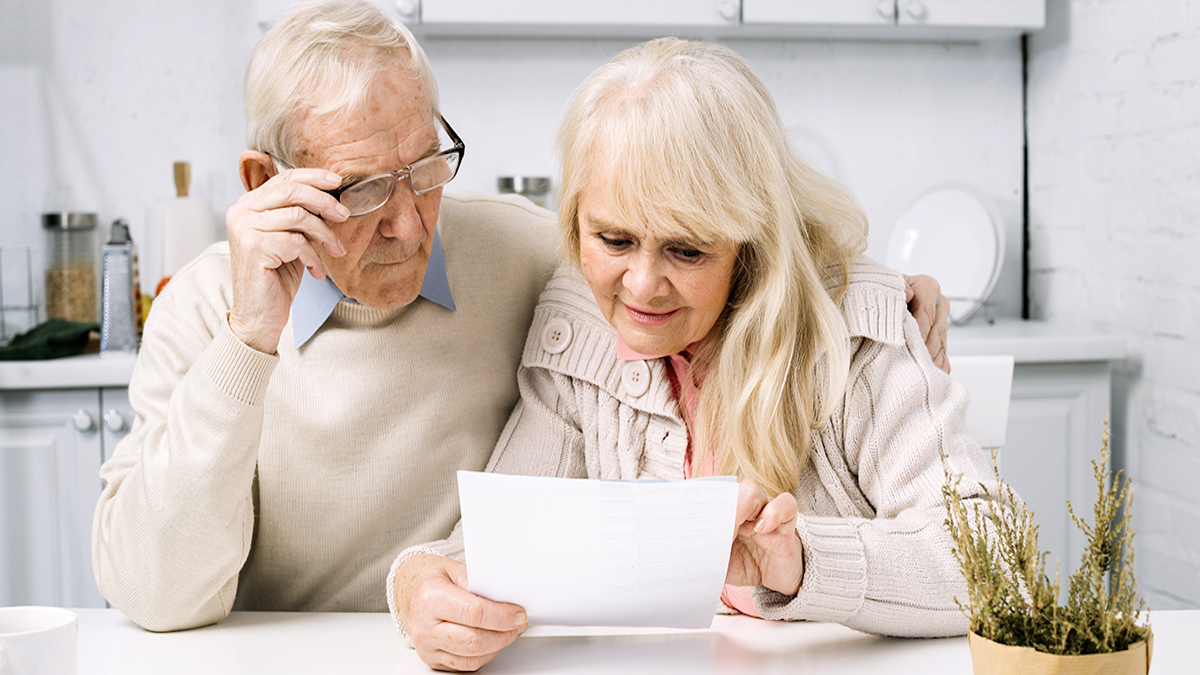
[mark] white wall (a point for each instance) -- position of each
(97, 100)
(1114, 164)
(890, 120)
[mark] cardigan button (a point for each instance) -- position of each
(556, 336)
(635, 378)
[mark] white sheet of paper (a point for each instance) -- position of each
(599, 552)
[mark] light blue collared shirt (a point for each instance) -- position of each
(315, 300)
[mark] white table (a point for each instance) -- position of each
(260, 643)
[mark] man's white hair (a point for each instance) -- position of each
(319, 58)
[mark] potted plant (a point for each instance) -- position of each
(1017, 624)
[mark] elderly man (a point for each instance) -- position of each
(295, 431)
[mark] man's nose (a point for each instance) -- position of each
(400, 218)
(644, 278)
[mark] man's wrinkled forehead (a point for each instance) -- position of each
(394, 117)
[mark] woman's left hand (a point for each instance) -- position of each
(766, 547)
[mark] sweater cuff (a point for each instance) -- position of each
(835, 575)
(391, 586)
(237, 369)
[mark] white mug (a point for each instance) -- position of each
(38, 641)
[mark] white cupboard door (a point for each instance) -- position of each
(819, 12)
(116, 417)
(49, 485)
(1025, 14)
(582, 12)
(1055, 426)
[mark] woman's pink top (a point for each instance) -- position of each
(684, 389)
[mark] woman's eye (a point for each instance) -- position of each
(688, 254)
(613, 243)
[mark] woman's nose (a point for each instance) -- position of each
(644, 278)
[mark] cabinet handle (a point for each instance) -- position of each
(114, 420)
(407, 8)
(886, 9)
(82, 420)
(915, 9)
(728, 9)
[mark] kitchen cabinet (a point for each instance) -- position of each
(1056, 423)
(1028, 14)
(53, 438)
(819, 12)
(582, 13)
(718, 19)
(1061, 397)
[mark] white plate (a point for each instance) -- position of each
(954, 234)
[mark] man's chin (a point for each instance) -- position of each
(392, 300)
(387, 288)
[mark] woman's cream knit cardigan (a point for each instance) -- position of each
(877, 555)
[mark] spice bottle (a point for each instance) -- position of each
(71, 269)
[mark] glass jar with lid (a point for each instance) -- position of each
(72, 269)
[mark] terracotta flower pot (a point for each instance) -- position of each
(993, 658)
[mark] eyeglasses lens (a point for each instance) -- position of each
(433, 172)
(367, 195)
(423, 176)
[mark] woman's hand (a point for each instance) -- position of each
(766, 547)
(450, 627)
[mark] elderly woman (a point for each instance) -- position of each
(751, 339)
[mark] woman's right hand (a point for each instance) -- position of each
(450, 627)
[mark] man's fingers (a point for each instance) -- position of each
(283, 204)
(939, 335)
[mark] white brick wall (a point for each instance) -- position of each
(1114, 189)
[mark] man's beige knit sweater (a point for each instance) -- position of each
(291, 481)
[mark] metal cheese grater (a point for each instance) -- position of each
(118, 324)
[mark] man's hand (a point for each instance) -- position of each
(450, 627)
(931, 309)
(766, 547)
(273, 230)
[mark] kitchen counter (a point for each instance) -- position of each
(1034, 342)
(70, 372)
(1027, 341)
(277, 642)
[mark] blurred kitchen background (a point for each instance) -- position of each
(1084, 136)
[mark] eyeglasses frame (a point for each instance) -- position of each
(458, 148)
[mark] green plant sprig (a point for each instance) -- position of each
(1011, 600)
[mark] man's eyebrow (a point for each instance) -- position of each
(351, 178)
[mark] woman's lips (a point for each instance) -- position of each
(649, 318)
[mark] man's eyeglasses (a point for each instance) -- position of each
(424, 175)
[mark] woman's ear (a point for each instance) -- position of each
(255, 168)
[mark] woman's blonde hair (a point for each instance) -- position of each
(320, 58)
(695, 150)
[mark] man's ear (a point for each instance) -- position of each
(255, 168)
